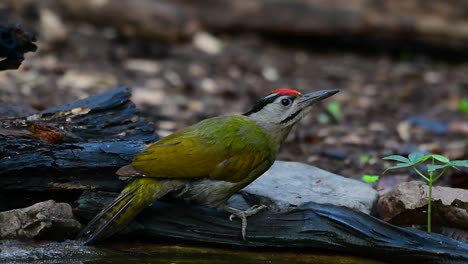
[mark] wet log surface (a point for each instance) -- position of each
(62, 151)
(312, 226)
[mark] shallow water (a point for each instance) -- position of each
(16, 252)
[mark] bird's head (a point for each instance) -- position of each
(277, 112)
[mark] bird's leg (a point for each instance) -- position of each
(243, 215)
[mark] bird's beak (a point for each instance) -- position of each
(314, 97)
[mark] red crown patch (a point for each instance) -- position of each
(286, 91)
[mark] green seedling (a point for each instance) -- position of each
(369, 178)
(434, 163)
(334, 109)
(463, 105)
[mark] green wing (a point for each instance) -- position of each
(227, 148)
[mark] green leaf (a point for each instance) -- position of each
(441, 158)
(397, 158)
(431, 167)
(415, 157)
(369, 178)
(399, 165)
(459, 163)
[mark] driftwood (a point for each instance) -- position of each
(312, 226)
(437, 22)
(14, 42)
(62, 151)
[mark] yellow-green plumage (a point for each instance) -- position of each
(206, 163)
(226, 148)
(133, 198)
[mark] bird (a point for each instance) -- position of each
(207, 162)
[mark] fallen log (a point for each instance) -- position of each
(59, 152)
(311, 226)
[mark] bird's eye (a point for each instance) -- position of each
(286, 101)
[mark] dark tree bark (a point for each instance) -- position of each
(66, 149)
(311, 226)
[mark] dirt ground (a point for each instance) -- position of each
(179, 84)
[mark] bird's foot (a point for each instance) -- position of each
(242, 215)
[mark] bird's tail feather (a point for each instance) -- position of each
(135, 197)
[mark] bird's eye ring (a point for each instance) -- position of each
(285, 101)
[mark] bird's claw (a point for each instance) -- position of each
(232, 216)
(242, 215)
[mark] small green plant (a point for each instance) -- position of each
(334, 108)
(463, 105)
(434, 162)
(369, 178)
(333, 112)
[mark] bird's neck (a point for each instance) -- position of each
(277, 132)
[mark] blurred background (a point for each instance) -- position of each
(401, 67)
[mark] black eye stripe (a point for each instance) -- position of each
(262, 103)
